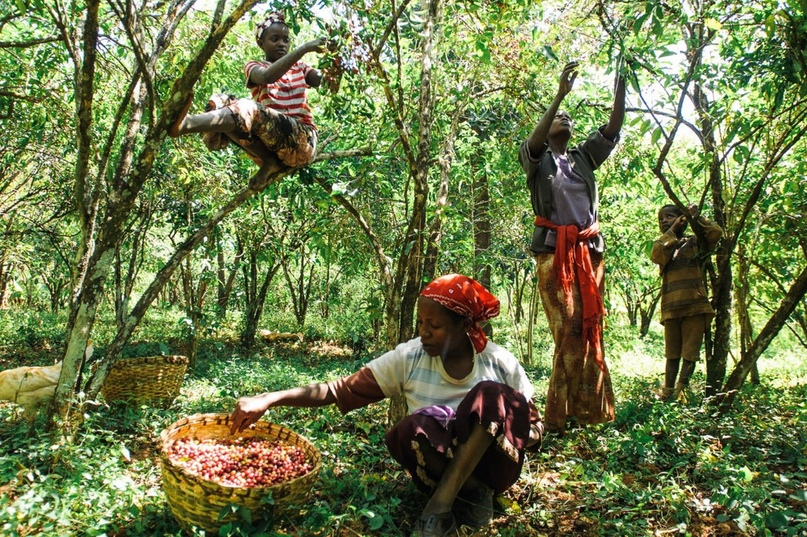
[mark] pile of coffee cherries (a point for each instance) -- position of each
(240, 462)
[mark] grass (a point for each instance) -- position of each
(658, 469)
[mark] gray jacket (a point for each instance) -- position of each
(584, 158)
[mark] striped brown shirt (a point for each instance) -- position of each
(683, 292)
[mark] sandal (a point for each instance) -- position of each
(475, 508)
(441, 525)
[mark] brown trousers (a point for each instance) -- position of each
(683, 337)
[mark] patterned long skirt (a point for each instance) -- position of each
(578, 388)
(500, 409)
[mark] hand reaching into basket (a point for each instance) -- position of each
(248, 410)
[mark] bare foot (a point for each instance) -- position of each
(268, 170)
(173, 132)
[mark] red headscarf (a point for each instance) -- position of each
(467, 297)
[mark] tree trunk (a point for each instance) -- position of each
(125, 277)
(255, 297)
(482, 228)
(743, 301)
(326, 286)
(445, 163)
(482, 236)
(5, 270)
(299, 284)
(6, 266)
(225, 281)
(737, 377)
(193, 302)
(717, 355)
(100, 238)
(535, 301)
(647, 313)
(410, 267)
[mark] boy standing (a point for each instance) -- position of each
(685, 308)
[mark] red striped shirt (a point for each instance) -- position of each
(287, 94)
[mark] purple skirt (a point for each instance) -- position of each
(500, 409)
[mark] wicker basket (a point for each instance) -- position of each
(197, 502)
(153, 380)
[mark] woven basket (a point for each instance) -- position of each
(153, 380)
(197, 502)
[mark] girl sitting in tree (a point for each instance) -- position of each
(276, 127)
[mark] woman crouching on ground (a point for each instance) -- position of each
(470, 406)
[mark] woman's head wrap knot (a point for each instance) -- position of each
(270, 19)
(468, 298)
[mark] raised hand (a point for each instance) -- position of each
(680, 223)
(567, 78)
(316, 45)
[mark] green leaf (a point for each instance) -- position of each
(777, 520)
(268, 499)
(548, 53)
(638, 24)
(483, 52)
(245, 514)
(648, 247)
(374, 520)
(226, 510)
(658, 28)
(800, 495)
(770, 26)
(746, 474)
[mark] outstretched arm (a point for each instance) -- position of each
(611, 130)
(541, 131)
(268, 75)
(249, 410)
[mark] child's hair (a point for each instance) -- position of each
(271, 18)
